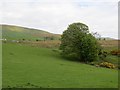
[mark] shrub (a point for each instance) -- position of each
(107, 65)
(118, 66)
(115, 52)
(23, 39)
(102, 54)
(37, 40)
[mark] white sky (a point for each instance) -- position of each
(55, 15)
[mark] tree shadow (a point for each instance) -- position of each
(59, 55)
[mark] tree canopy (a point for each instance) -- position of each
(78, 43)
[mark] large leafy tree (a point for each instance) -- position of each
(78, 43)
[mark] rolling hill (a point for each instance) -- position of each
(40, 65)
(32, 67)
(11, 32)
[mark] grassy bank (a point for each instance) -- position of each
(26, 66)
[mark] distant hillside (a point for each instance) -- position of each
(107, 38)
(11, 32)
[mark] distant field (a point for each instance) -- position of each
(44, 44)
(110, 43)
(32, 63)
(19, 33)
(26, 66)
(11, 32)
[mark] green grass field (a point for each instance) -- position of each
(27, 66)
(11, 32)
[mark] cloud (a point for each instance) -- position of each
(55, 15)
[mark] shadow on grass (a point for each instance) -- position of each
(67, 58)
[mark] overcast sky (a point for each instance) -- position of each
(55, 15)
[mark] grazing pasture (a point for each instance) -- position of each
(26, 66)
(11, 32)
(31, 59)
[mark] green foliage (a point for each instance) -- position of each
(107, 65)
(78, 43)
(102, 54)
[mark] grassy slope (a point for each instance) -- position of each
(17, 32)
(25, 66)
(108, 46)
